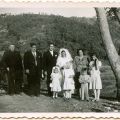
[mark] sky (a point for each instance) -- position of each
(67, 12)
(63, 9)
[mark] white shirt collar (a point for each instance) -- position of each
(51, 52)
(34, 53)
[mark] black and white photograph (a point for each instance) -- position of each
(59, 57)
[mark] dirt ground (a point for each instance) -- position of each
(43, 103)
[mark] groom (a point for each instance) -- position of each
(49, 61)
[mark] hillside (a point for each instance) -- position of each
(72, 33)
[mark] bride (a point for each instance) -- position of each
(65, 62)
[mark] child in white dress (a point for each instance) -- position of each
(56, 80)
(84, 80)
(68, 85)
(96, 83)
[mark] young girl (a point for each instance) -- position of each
(56, 79)
(68, 85)
(84, 79)
(96, 83)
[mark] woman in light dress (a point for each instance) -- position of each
(96, 83)
(65, 62)
(56, 79)
(80, 62)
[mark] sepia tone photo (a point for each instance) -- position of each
(56, 57)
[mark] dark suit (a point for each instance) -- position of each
(49, 62)
(35, 71)
(13, 61)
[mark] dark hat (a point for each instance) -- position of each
(11, 44)
(32, 44)
(51, 43)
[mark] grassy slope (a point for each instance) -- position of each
(109, 83)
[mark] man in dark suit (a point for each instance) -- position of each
(33, 69)
(13, 63)
(49, 60)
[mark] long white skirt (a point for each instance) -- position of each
(69, 84)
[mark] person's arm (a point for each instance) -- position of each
(75, 64)
(41, 64)
(4, 61)
(58, 63)
(80, 79)
(91, 65)
(40, 60)
(45, 63)
(20, 61)
(42, 67)
(26, 62)
(99, 64)
(60, 77)
(51, 77)
(87, 61)
(20, 66)
(87, 79)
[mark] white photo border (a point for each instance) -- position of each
(74, 115)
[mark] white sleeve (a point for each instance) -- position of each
(99, 63)
(51, 76)
(71, 72)
(58, 63)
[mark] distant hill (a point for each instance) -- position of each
(72, 33)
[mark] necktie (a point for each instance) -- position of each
(51, 53)
(35, 58)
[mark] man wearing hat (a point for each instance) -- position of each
(13, 63)
(33, 69)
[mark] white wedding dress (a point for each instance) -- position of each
(66, 66)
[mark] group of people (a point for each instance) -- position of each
(87, 76)
(80, 73)
(64, 74)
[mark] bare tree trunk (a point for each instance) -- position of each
(109, 46)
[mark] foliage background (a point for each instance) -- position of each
(71, 33)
